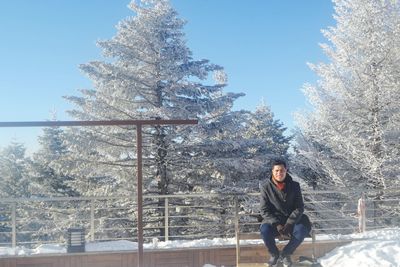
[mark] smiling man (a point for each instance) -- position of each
(282, 214)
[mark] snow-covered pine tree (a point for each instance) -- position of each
(48, 181)
(352, 134)
(150, 73)
(353, 131)
(45, 168)
(263, 125)
(15, 182)
(307, 165)
(14, 171)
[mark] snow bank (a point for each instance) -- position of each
(41, 249)
(382, 249)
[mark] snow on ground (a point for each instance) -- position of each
(122, 245)
(379, 248)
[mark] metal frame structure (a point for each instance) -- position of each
(139, 124)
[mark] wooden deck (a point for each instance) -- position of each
(252, 256)
(160, 258)
(256, 255)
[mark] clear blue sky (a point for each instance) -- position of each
(264, 46)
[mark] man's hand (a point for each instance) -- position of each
(287, 230)
(279, 228)
(281, 236)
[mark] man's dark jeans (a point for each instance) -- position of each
(269, 232)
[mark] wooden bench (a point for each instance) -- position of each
(309, 250)
(258, 253)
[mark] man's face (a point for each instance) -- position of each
(279, 173)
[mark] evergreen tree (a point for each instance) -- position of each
(262, 125)
(45, 166)
(151, 74)
(15, 182)
(352, 133)
(307, 165)
(52, 218)
(14, 171)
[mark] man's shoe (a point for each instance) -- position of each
(286, 260)
(273, 260)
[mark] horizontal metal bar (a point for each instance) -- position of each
(58, 199)
(197, 195)
(382, 200)
(329, 201)
(197, 207)
(200, 216)
(108, 209)
(330, 229)
(115, 238)
(190, 226)
(249, 223)
(194, 235)
(94, 123)
(369, 227)
(335, 220)
(116, 218)
(382, 217)
(330, 210)
(117, 228)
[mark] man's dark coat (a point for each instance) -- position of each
(281, 207)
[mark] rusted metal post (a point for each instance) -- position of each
(314, 251)
(14, 225)
(237, 230)
(92, 220)
(139, 194)
(361, 214)
(166, 220)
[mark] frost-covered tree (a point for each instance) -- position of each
(45, 165)
(150, 73)
(14, 171)
(15, 182)
(263, 125)
(306, 165)
(352, 133)
(51, 218)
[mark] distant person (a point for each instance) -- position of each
(282, 209)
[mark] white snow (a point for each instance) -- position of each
(379, 248)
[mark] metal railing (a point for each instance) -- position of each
(33, 221)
